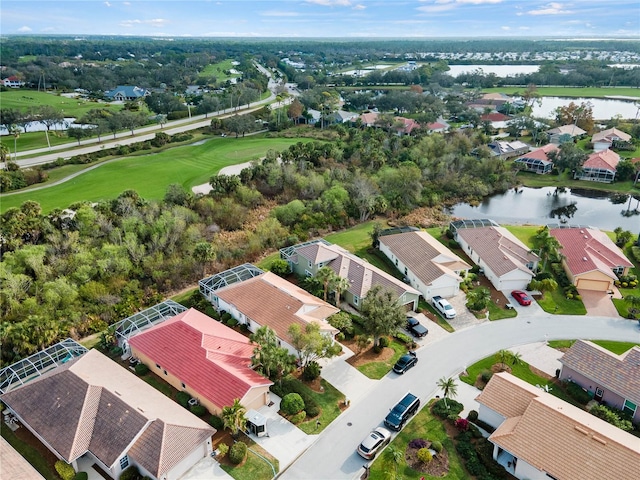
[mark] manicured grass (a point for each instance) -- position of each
(616, 347)
(254, 467)
(440, 320)
(377, 370)
(29, 453)
(524, 233)
(423, 425)
(265, 263)
(217, 70)
(22, 99)
(329, 401)
(354, 239)
(150, 175)
(529, 179)
(560, 343)
(33, 140)
(500, 313)
(556, 302)
(592, 92)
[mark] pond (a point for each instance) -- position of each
(41, 127)
(603, 108)
(540, 206)
(499, 70)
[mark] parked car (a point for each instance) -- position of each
(375, 441)
(405, 362)
(416, 328)
(444, 307)
(402, 411)
(521, 297)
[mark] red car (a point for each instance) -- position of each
(521, 297)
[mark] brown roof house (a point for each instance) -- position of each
(266, 300)
(507, 262)
(609, 138)
(305, 259)
(599, 167)
(611, 379)
(429, 266)
(592, 261)
(540, 437)
(564, 133)
(90, 410)
(537, 160)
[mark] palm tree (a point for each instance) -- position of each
(449, 388)
(503, 356)
(340, 284)
(391, 458)
(548, 245)
(516, 358)
(234, 417)
(545, 285)
(326, 277)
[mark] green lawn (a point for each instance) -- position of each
(556, 302)
(524, 233)
(217, 70)
(354, 239)
(150, 175)
(500, 313)
(33, 140)
(529, 179)
(255, 467)
(616, 347)
(329, 401)
(29, 453)
(377, 370)
(423, 425)
(22, 99)
(591, 92)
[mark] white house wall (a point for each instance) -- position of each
(600, 146)
(514, 280)
(529, 472)
(200, 452)
(490, 416)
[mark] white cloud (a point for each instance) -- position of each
(552, 8)
(525, 28)
(126, 4)
(107, 4)
(24, 29)
(331, 3)
(154, 22)
(359, 7)
(505, 28)
(445, 5)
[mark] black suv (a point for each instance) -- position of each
(404, 409)
(416, 328)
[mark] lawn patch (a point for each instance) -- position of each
(257, 465)
(556, 302)
(378, 369)
(499, 313)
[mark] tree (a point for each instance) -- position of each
(234, 417)
(312, 344)
(224, 185)
(272, 360)
(207, 105)
(579, 115)
(503, 357)
(568, 156)
(15, 131)
(362, 343)
(545, 285)
(478, 299)
(50, 117)
(381, 313)
(295, 109)
(548, 245)
(340, 284)
(449, 388)
(204, 253)
(327, 277)
(391, 458)
(78, 133)
(131, 120)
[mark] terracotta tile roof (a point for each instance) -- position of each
(495, 117)
(436, 126)
(361, 274)
(425, 256)
(572, 130)
(204, 354)
(408, 124)
(271, 301)
(504, 398)
(591, 449)
(617, 373)
(15, 466)
(369, 118)
(540, 153)
(499, 249)
(588, 249)
(92, 403)
(610, 135)
(605, 159)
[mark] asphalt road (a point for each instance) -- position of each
(333, 455)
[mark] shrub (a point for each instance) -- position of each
(576, 392)
(81, 476)
(484, 426)
(312, 407)
(142, 369)
(424, 455)
(418, 443)
(475, 431)
(216, 422)
(611, 416)
(130, 473)
(238, 452)
(384, 342)
(198, 410)
(436, 446)
(453, 244)
(115, 351)
(440, 410)
(183, 399)
(65, 470)
(403, 337)
(311, 371)
(486, 375)
(298, 417)
(293, 385)
(472, 416)
(226, 316)
(223, 449)
(462, 424)
(292, 403)
(232, 322)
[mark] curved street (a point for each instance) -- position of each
(332, 455)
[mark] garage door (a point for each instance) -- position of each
(599, 285)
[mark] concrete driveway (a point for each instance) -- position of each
(464, 318)
(598, 303)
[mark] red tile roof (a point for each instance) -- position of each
(409, 124)
(540, 153)
(435, 126)
(605, 159)
(495, 117)
(204, 354)
(587, 249)
(610, 135)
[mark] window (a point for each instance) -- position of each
(165, 372)
(396, 262)
(308, 273)
(320, 265)
(310, 264)
(406, 271)
(124, 462)
(356, 300)
(629, 407)
(530, 265)
(183, 385)
(158, 366)
(618, 270)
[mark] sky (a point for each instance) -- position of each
(324, 18)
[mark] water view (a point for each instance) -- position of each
(540, 206)
(499, 70)
(603, 108)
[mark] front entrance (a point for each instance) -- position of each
(599, 393)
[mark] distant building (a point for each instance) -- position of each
(538, 160)
(600, 166)
(13, 82)
(610, 138)
(564, 134)
(126, 93)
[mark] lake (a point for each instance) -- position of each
(499, 70)
(603, 108)
(41, 127)
(540, 206)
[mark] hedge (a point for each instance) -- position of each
(440, 410)
(291, 385)
(198, 410)
(65, 470)
(237, 453)
(216, 422)
(81, 476)
(183, 399)
(142, 369)
(576, 392)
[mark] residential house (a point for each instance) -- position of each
(306, 259)
(404, 126)
(610, 138)
(312, 116)
(537, 160)
(592, 261)
(205, 358)
(496, 119)
(564, 134)
(540, 437)
(504, 150)
(507, 262)
(90, 410)
(267, 300)
(439, 126)
(13, 82)
(369, 119)
(599, 167)
(429, 266)
(342, 116)
(126, 93)
(613, 380)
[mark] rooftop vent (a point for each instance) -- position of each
(584, 259)
(581, 430)
(599, 440)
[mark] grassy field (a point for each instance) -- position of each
(329, 400)
(22, 99)
(217, 70)
(529, 179)
(423, 425)
(150, 175)
(556, 302)
(254, 467)
(32, 140)
(616, 347)
(591, 92)
(377, 370)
